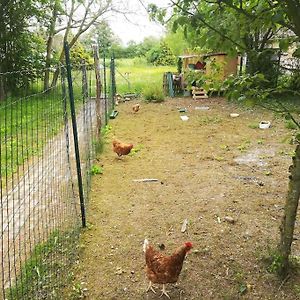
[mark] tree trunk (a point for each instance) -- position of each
(48, 57)
(290, 213)
(56, 73)
(49, 46)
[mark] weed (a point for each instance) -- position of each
(106, 130)
(96, 170)
(242, 147)
(153, 94)
(225, 147)
(297, 289)
(289, 124)
(206, 120)
(274, 261)
(136, 149)
(46, 268)
(99, 143)
(253, 125)
(219, 158)
(78, 291)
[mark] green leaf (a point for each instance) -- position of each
(278, 17)
(284, 44)
(243, 289)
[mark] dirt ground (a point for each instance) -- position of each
(209, 167)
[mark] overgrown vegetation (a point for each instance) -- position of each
(153, 93)
(44, 273)
(139, 75)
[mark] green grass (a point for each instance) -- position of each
(140, 75)
(44, 274)
(27, 123)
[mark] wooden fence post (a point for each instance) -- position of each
(98, 90)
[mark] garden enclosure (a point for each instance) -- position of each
(46, 155)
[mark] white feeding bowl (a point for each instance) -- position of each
(264, 124)
(184, 118)
(234, 115)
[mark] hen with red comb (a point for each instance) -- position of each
(164, 269)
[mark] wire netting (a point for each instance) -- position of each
(39, 205)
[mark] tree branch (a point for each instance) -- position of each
(201, 19)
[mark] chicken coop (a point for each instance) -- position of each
(219, 65)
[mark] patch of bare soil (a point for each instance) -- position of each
(210, 167)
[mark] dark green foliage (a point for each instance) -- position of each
(78, 55)
(179, 65)
(265, 62)
(294, 83)
(161, 56)
(19, 48)
(250, 88)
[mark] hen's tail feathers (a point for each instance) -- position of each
(145, 245)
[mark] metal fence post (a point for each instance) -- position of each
(75, 133)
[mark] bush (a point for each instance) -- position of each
(153, 94)
(161, 56)
(294, 83)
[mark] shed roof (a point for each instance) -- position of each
(202, 55)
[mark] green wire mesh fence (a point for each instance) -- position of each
(39, 193)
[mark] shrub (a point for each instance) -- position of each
(294, 83)
(153, 94)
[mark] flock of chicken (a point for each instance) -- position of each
(160, 268)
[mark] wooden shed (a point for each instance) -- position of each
(227, 65)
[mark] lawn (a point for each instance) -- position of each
(210, 167)
(133, 75)
(29, 121)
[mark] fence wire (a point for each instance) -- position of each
(39, 205)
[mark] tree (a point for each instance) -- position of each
(76, 17)
(177, 42)
(17, 44)
(161, 55)
(102, 34)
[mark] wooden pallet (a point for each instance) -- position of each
(199, 93)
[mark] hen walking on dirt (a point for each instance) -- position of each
(121, 148)
(164, 269)
(136, 108)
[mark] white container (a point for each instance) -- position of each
(234, 115)
(264, 124)
(184, 118)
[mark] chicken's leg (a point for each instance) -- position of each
(150, 288)
(164, 292)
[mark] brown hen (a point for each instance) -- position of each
(136, 108)
(164, 269)
(121, 148)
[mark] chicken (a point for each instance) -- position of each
(164, 269)
(121, 148)
(136, 107)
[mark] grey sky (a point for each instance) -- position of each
(137, 26)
